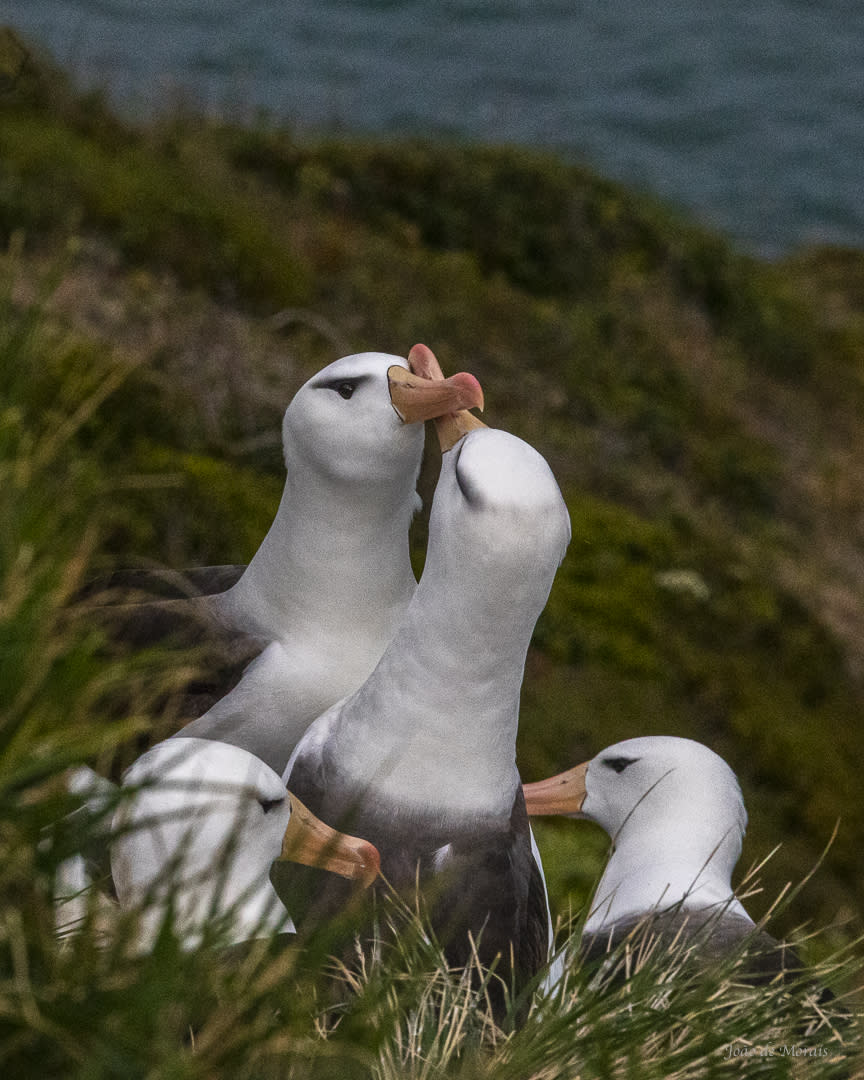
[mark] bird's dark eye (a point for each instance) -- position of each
(619, 764)
(268, 804)
(345, 389)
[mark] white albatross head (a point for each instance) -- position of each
(353, 441)
(359, 420)
(498, 521)
(203, 825)
(675, 813)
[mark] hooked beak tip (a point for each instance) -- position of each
(470, 388)
(370, 866)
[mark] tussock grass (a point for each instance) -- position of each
(702, 411)
(82, 1003)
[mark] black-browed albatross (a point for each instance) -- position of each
(421, 759)
(314, 609)
(306, 621)
(676, 816)
(195, 840)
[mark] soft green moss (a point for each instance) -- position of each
(203, 505)
(174, 207)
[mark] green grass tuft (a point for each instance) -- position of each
(165, 290)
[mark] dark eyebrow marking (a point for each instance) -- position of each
(619, 764)
(333, 383)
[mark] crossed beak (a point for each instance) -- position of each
(452, 424)
(416, 398)
(561, 794)
(309, 841)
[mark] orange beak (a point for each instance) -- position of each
(450, 426)
(416, 398)
(561, 794)
(309, 841)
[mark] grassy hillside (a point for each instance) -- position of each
(166, 288)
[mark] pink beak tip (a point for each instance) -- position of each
(423, 362)
(471, 388)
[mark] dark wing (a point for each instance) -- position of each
(533, 951)
(490, 888)
(139, 585)
(707, 937)
(701, 940)
(534, 944)
(201, 657)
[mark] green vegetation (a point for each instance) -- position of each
(165, 289)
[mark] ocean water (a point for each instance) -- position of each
(749, 114)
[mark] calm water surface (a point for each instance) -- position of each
(749, 113)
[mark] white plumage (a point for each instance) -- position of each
(421, 759)
(196, 838)
(332, 577)
(674, 811)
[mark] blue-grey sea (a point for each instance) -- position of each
(747, 113)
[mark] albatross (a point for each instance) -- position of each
(196, 838)
(676, 816)
(421, 759)
(308, 618)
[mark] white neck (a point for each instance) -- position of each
(244, 898)
(434, 726)
(432, 731)
(330, 562)
(653, 869)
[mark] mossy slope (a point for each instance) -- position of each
(702, 410)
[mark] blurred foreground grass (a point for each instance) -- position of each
(84, 1005)
(164, 291)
